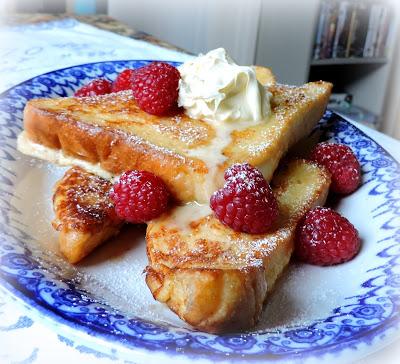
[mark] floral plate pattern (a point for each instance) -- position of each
(369, 316)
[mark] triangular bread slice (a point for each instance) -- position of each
(84, 213)
(217, 279)
(110, 134)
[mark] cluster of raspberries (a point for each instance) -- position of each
(246, 202)
(155, 87)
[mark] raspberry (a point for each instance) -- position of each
(123, 81)
(246, 202)
(99, 86)
(323, 237)
(341, 162)
(244, 169)
(155, 87)
(139, 196)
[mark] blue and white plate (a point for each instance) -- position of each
(345, 311)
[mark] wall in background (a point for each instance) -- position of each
(196, 25)
(53, 6)
(286, 37)
(265, 32)
(391, 116)
(34, 6)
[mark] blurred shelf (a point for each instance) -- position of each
(344, 61)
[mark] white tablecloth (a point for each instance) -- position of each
(30, 50)
(27, 51)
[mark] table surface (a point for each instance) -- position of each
(24, 320)
(103, 22)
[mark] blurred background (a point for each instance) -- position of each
(353, 43)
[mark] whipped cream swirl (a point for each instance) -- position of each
(213, 87)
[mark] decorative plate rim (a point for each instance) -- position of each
(139, 335)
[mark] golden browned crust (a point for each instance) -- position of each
(112, 131)
(116, 150)
(217, 279)
(212, 300)
(264, 75)
(85, 215)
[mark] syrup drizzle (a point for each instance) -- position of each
(212, 154)
(192, 211)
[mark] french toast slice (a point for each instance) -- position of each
(85, 215)
(217, 279)
(110, 134)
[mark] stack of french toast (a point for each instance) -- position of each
(213, 277)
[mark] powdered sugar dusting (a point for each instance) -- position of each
(114, 272)
(303, 295)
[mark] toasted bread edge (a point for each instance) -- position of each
(227, 300)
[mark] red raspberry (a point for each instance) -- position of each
(155, 87)
(95, 87)
(244, 169)
(341, 162)
(246, 202)
(324, 237)
(123, 81)
(139, 196)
